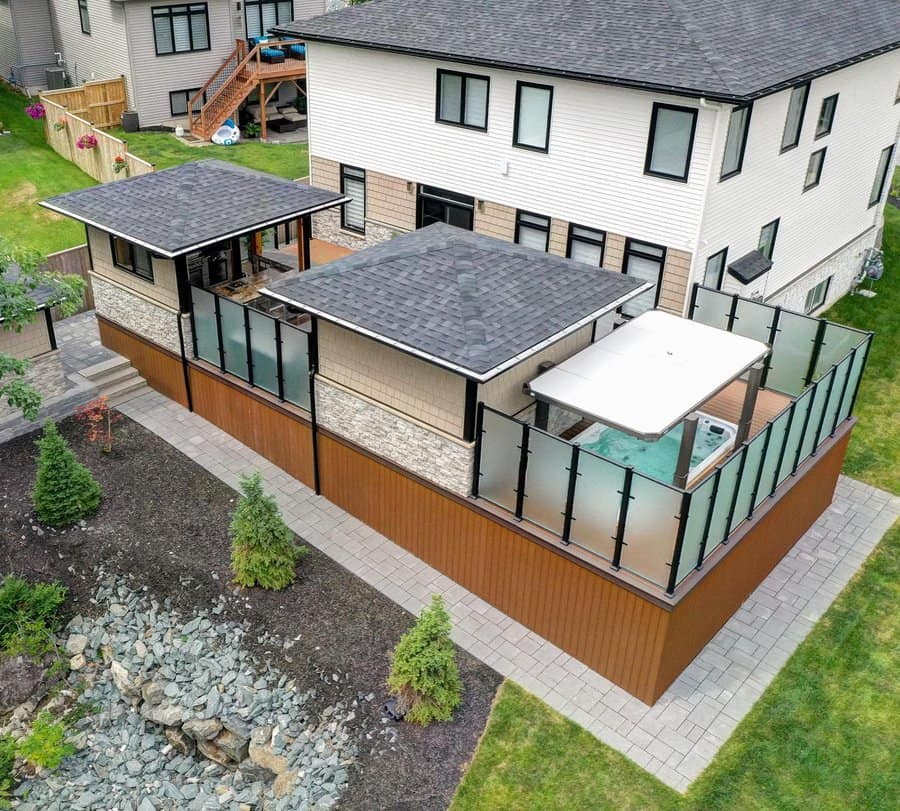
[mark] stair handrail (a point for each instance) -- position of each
(238, 53)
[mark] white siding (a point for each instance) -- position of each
(304, 9)
(156, 76)
(9, 51)
(817, 223)
(34, 37)
(377, 110)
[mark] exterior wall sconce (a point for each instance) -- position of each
(481, 205)
(409, 186)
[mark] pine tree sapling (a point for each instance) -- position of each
(65, 490)
(424, 676)
(263, 551)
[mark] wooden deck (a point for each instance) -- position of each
(268, 72)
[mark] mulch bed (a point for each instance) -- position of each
(164, 522)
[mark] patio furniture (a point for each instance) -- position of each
(296, 51)
(273, 56)
(291, 114)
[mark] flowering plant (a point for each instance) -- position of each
(87, 142)
(59, 124)
(35, 111)
(119, 163)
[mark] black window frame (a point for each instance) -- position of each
(806, 308)
(190, 92)
(530, 225)
(875, 199)
(599, 241)
(344, 168)
(258, 4)
(425, 191)
(631, 251)
(723, 175)
(165, 12)
(819, 152)
(515, 141)
(84, 16)
(774, 224)
(820, 132)
(657, 106)
(724, 254)
(464, 77)
(787, 147)
(133, 268)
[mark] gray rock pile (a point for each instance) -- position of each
(180, 716)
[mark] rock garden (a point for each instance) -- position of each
(190, 653)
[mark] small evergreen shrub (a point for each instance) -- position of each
(28, 615)
(65, 491)
(45, 745)
(263, 551)
(424, 676)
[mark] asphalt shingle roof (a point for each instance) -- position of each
(463, 300)
(725, 50)
(43, 295)
(176, 210)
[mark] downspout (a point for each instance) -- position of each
(313, 350)
(714, 149)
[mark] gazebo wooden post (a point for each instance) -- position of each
(262, 109)
(303, 229)
(754, 378)
(683, 466)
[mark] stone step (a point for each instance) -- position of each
(98, 370)
(117, 375)
(125, 391)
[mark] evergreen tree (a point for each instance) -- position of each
(65, 491)
(263, 552)
(424, 676)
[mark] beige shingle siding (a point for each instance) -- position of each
(32, 341)
(675, 281)
(388, 202)
(495, 220)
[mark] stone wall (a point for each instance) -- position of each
(135, 312)
(434, 456)
(44, 374)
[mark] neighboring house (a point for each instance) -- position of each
(743, 145)
(166, 51)
(26, 49)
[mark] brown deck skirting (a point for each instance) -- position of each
(640, 641)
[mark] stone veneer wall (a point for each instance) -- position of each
(434, 456)
(146, 318)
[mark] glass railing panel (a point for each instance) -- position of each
(728, 481)
(770, 463)
(792, 353)
(234, 337)
(753, 320)
(263, 352)
(712, 308)
(501, 440)
(836, 345)
(795, 435)
(650, 529)
(859, 360)
(206, 334)
(295, 365)
(819, 403)
(834, 401)
(547, 481)
(595, 509)
(753, 458)
(696, 525)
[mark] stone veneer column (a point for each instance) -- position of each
(140, 315)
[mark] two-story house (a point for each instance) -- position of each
(747, 146)
(165, 50)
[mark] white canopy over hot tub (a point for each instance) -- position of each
(648, 375)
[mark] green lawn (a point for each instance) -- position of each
(31, 171)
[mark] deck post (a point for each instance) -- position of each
(570, 495)
(262, 104)
(750, 394)
(701, 554)
(679, 542)
(683, 465)
(303, 229)
(523, 470)
(619, 537)
(479, 430)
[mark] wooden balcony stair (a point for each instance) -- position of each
(238, 76)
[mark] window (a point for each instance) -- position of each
(179, 100)
(353, 184)
(261, 15)
(715, 269)
(826, 116)
(532, 125)
(133, 258)
(767, 239)
(884, 165)
(814, 170)
(462, 99)
(794, 121)
(439, 205)
(671, 141)
(586, 245)
(180, 29)
(645, 263)
(815, 296)
(532, 230)
(736, 142)
(85, 18)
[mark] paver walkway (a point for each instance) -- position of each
(677, 737)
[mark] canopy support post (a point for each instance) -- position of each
(754, 380)
(683, 466)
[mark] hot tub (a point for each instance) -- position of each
(715, 439)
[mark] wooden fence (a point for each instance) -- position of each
(101, 102)
(75, 262)
(63, 130)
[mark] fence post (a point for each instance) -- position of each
(219, 332)
(732, 313)
(783, 450)
(570, 495)
(479, 430)
(862, 371)
(821, 425)
(679, 541)
(623, 518)
(737, 490)
(799, 453)
(762, 464)
(279, 363)
(773, 332)
(523, 469)
(709, 517)
(818, 343)
(248, 341)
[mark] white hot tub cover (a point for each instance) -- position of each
(648, 375)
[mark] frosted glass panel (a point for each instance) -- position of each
(500, 450)
(234, 337)
(752, 461)
(808, 444)
(753, 320)
(295, 365)
(853, 382)
(696, 523)
(795, 435)
(650, 529)
(595, 511)
(718, 528)
(840, 376)
(712, 308)
(792, 353)
(770, 463)
(547, 481)
(263, 355)
(836, 346)
(205, 332)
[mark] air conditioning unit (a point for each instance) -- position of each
(56, 78)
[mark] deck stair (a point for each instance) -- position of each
(242, 72)
(116, 379)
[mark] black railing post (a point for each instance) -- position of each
(219, 332)
(619, 537)
(279, 362)
(523, 470)
(762, 464)
(193, 327)
(818, 343)
(312, 362)
(570, 495)
(476, 467)
(821, 425)
(732, 312)
(862, 371)
(737, 490)
(812, 399)
(248, 339)
(783, 450)
(837, 412)
(693, 304)
(713, 496)
(679, 541)
(773, 333)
